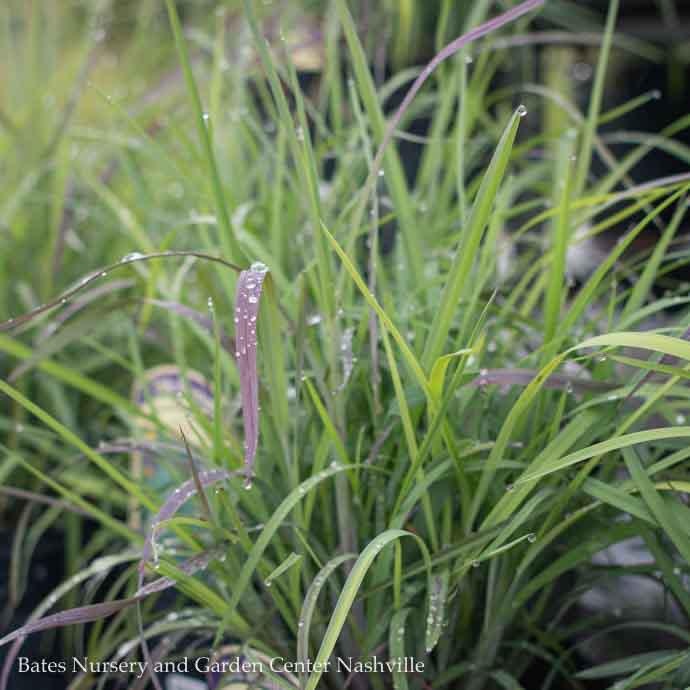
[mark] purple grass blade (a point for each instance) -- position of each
(198, 318)
(149, 448)
(60, 318)
(94, 612)
(247, 298)
(9, 662)
(522, 377)
(445, 53)
(40, 498)
(174, 502)
(81, 614)
(83, 283)
(97, 568)
(378, 444)
(86, 298)
(126, 445)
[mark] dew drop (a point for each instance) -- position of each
(258, 267)
(680, 419)
(582, 71)
(521, 110)
(531, 537)
(132, 256)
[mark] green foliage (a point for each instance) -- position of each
(453, 387)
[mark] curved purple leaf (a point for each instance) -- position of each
(522, 377)
(81, 614)
(86, 298)
(247, 298)
(61, 300)
(16, 492)
(197, 317)
(446, 52)
(94, 612)
(96, 568)
(174, 502)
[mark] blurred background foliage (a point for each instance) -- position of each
(99, 157)
(90, 89)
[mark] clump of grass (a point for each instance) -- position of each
(441, 430)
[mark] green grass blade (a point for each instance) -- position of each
(466, 252)
(309, 606)
(396, 646)
(643, 284)
(72, 439)
(231, 246)
(585, 155)
(407, 353)
(349, 592)
(267, 533)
